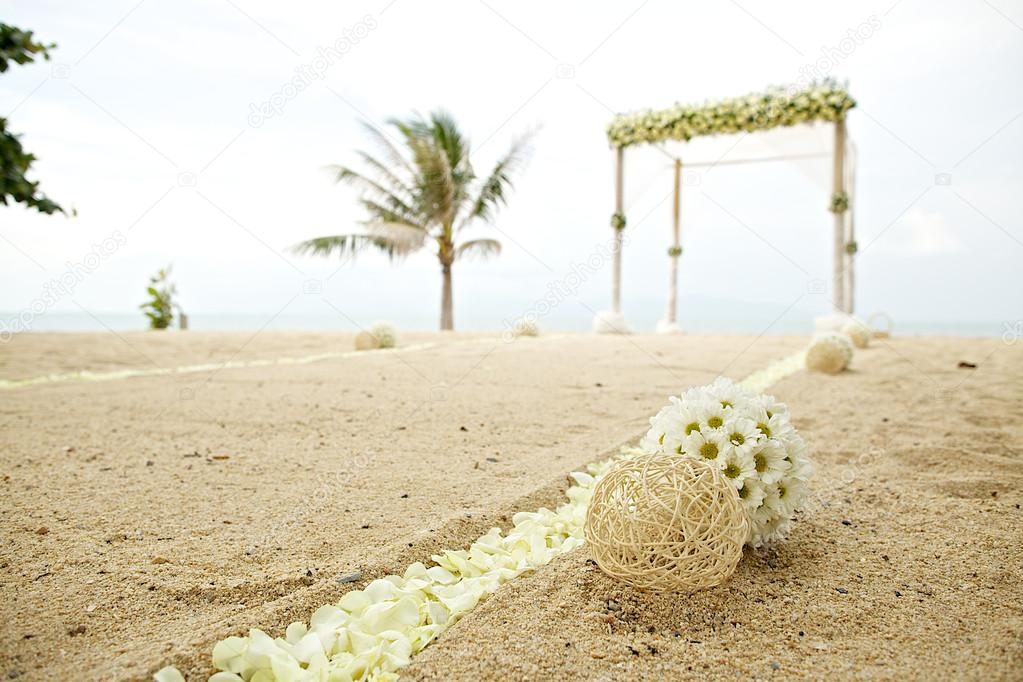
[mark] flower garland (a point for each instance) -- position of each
(369, 634)
(114, 375)
(824, 101)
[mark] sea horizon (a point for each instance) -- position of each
(794, 326)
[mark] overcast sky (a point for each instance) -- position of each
(150, 121)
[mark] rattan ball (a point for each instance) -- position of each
(385, 334)
(858, 332)
(366, 341)
(666, 523)
(525, 327)
(829, 352)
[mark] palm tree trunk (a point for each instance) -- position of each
(447, 313)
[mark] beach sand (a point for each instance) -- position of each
(907, 564)
(145, 518)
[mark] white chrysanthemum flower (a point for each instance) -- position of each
(710, 414)
(525, 327)
(692, 418)
(706, 445)
(385, 334)
(770, 461)
(737, 466)
(772, 405)
(724, 391)
(742, 434)
(752, 493)
(770, 506)
(667, 417)
(801, 466)
(830, 353)
(794, 492)
(751, 439)
(666, 430)
(771, 423)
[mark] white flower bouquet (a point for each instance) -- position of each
(750, 438)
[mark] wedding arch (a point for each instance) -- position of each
(823, 104)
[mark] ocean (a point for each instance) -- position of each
(788, 325)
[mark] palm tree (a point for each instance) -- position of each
(424, 196)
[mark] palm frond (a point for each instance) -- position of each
(379, 213)
(435, 181)
(386, 144)
(386, 174)
(493, 193)
(380, 194)
(405, 238)
(349, 245)
(445, 133)
(418, 187)
(482, 248)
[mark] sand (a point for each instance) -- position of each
(28, 356)
(907, 565)
(143, 519)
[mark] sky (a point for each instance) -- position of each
(170, 129)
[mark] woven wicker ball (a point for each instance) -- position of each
(858, 332)
(385, 334)
(829, 352)
(666, 523)
(525, 327)
(366, 341)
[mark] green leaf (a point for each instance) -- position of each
(17, 46)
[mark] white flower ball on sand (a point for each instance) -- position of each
(610, 322)
(525, 327)
(750, 439)
(385, 334)
(830, 353)
(858, 331)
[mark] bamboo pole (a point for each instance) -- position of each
(850, 261)
(838, 280)
(670, 315)
(616, 274)
(850, 233)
